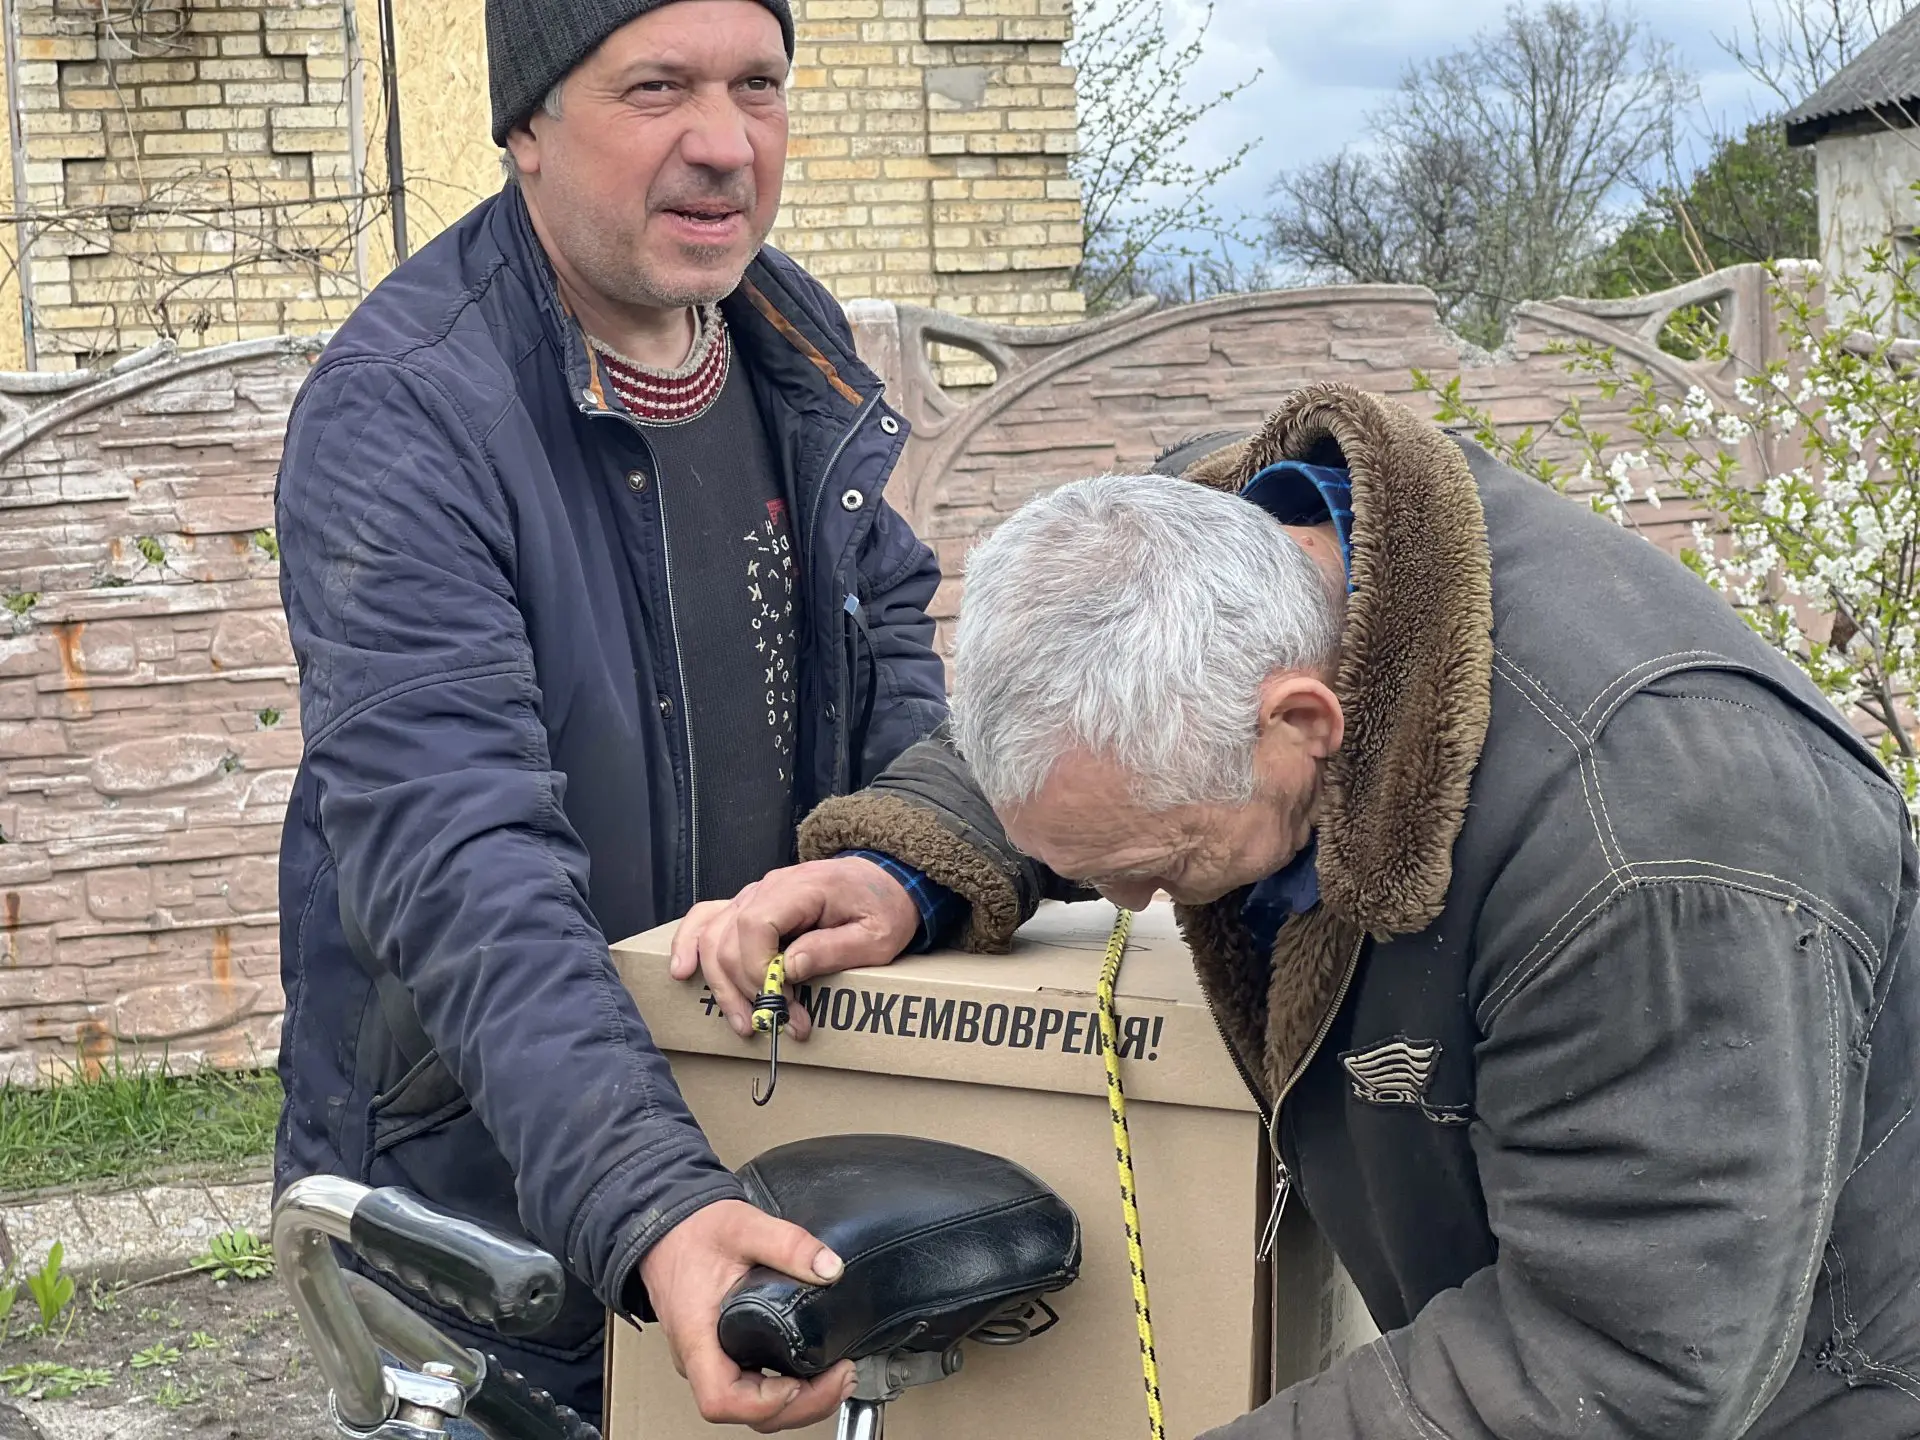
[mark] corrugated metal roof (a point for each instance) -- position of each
(1882, 84)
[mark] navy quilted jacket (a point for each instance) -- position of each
(497, 778)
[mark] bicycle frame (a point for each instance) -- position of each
(862, 1420)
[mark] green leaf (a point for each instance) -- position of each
(51, 1290)
(1754, 199)
(155, 1355)
(52, 1381)
(172, 1395)
(1805, 480)
(236, 1255)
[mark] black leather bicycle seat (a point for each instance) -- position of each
(937, 1241)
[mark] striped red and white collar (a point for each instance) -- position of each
(673, 397)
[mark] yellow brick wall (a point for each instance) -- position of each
(188, 172)
(929, 154)
(209, 181)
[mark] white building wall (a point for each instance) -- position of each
(1867, 198)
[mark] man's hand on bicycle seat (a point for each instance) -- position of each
(843, 913)
(688, 1274)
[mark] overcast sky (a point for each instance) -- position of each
(1325, 63)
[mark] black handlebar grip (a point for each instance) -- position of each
(507, 1407)
(490, 1278)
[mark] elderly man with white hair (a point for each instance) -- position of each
(1562, 929)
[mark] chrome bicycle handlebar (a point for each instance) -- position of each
(349, 1320)
(309, 1215)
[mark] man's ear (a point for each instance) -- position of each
(524, 147)
(1303, 711)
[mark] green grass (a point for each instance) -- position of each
(126, 1124)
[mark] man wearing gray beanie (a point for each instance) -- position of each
(594, 593)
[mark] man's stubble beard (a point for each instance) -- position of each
(611, 260)
(608, 255)
(623, 274)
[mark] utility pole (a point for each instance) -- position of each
(396, 165)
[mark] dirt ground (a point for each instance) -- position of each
(189, 1357)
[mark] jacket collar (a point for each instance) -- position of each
(1414, 678)
(775, 314)
(778, 313)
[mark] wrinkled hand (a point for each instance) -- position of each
(843, 913)
(688, 1274)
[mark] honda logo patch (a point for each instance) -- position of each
(1398, 1072)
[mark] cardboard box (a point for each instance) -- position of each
(1002, 1053)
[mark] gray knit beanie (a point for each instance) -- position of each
(532, 45)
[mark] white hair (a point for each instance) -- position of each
(550, 104)
(1133, 617)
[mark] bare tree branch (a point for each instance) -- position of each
(1140, 194)
(1493, 174)
(1793, 47)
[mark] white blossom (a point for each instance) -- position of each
(1834, 529)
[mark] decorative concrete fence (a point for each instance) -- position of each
(149, 717)
(1109, 395)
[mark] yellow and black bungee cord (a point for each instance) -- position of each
(769, 1016)
(1123, 1155)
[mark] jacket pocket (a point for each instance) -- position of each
(424, 1135)
(445, 1155)
(422, 1100)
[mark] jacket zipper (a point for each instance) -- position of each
(686, 726)
(813, 526)
(813, 515)
(1282, 1181)
(1270, 1116)
(679, 662)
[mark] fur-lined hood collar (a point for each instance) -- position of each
(1415, 675)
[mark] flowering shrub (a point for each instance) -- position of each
(1822, 555)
